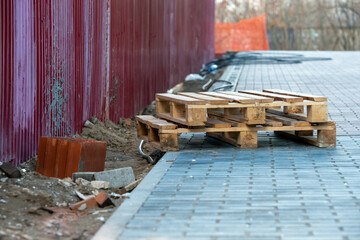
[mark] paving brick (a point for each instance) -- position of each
(117, 177)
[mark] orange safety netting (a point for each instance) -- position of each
(245, 35)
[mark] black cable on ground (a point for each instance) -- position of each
(240, 58)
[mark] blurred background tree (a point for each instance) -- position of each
(300, 24)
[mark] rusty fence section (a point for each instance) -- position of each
(64, 61)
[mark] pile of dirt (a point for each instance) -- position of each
(122, 144)
(37, 207)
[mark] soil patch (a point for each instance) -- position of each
(37, 207)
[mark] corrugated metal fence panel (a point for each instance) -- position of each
(154, 45)
(64, 61)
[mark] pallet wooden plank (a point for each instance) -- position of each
(145, 118)
(278, 97)
(232, 122)
(159, 146)
(232, 98)
(268, 122)
(209, 99)
(155, 122)
(289, 115)
(308, 139)
(162, 124)
(273, 123)
(256, 97)
(295, 94)
(251, 116)
(216, 123)
(248, 128)
(179, 99)
(167, 116)
(287, 121)
(235, 117)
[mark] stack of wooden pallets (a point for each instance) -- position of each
(237, 117)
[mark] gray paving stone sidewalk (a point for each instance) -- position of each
(338, 79)
(281, 190)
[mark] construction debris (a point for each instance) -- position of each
(89, 176)
(10, 170)
(84, 204)
(100, 184)
(40, 205)
(117, 177)
(130, 187)
(103, 200)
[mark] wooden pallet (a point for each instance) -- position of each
(193, 109)
(245, 136)
(237, 117)
(149, 129)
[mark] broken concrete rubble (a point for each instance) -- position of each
(81, 181)
(89, 176)
(117, 177)
(43, 192)
(95, 184)
(100, 184)
(130, 186)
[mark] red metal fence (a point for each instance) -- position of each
(64, 61)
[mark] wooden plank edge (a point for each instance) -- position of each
(248, 129)
(179, 120)
(303, 95)
(310, 140)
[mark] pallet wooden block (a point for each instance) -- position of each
(315, 113)
(243, 140)
(148, 130)
(324, 138)
(176, 108)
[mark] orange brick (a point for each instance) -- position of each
(41, 155)
(127, 121)
(103, 199)
(62, 156)
(50, 156)
(84, 204)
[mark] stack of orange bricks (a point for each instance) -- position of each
(62, 156)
